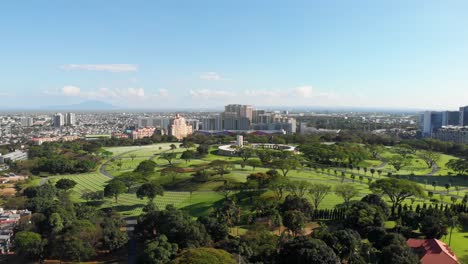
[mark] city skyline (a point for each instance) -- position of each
(155, 55)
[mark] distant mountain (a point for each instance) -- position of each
(86, 105)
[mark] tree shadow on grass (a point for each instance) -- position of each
(441, 180)
(205, 208)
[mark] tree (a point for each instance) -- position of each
(245, 153)
(292, 202)
(254, 163)
(346, 192)
(217, 229)
(149, 190)
(30, 244)
(130, 179)
(112, 236)
(168, 156)
(285, 165)
(176, 225)
(114, 188)
(158, 251)
(227, 188)
(204, 256)
(221, 166)
(398, 162)
(458, 165)
(298, 188)
(375, 150)
(187, 145)
(172, 172)
(173, 147)
(398, 254)
(65, 184)
(294, 220)
(307, 250)
(430, 157)
(132, 156)
(447, 187)
(318, 192)
(260, 244)
(187, 155)
(361, 216)
(146, 167)
(345, 243)
(119, 164)
(434, 224)
(397, 190)
(278, 186)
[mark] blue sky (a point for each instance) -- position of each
(159, 54)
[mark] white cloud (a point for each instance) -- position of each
(265, 93)
(102, 67)
(70, 90)
(304, 91)
(210, 94)
(211, 76)
(163, 93)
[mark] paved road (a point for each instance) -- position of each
(434, 170)
(383, 164)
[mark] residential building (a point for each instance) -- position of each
(455, 134)
(430, 122)
(450, 118)
(142, 132)
(27, 121)
(179, 127)
(464, 116)
(58, 120)
(432, 251)
(239, 110)
(195, 123)
(70, 119)
(212, 123)
(235, 122)
(157, 122)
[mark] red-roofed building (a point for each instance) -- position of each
(432, 251)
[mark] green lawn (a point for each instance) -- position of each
(127, 203)
(459, 244)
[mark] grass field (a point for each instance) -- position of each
(127, 203)
(203, 200)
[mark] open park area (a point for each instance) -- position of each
(199, 184)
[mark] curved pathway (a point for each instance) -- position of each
(103, 167)
(383, 164)
(434, 170)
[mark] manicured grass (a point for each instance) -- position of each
(128, 204)
(459, 244)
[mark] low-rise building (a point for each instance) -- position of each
(142, 132)
(432, 251)
(13, 156)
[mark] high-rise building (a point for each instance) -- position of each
(70, 119)
(235, 123)
(27, 121)
(179, 127)
(430, 121)
(464, 116)
(211, 123)
(239, 110)
(450, 118)
(157, 122)
(58, 120)
(195, 123)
